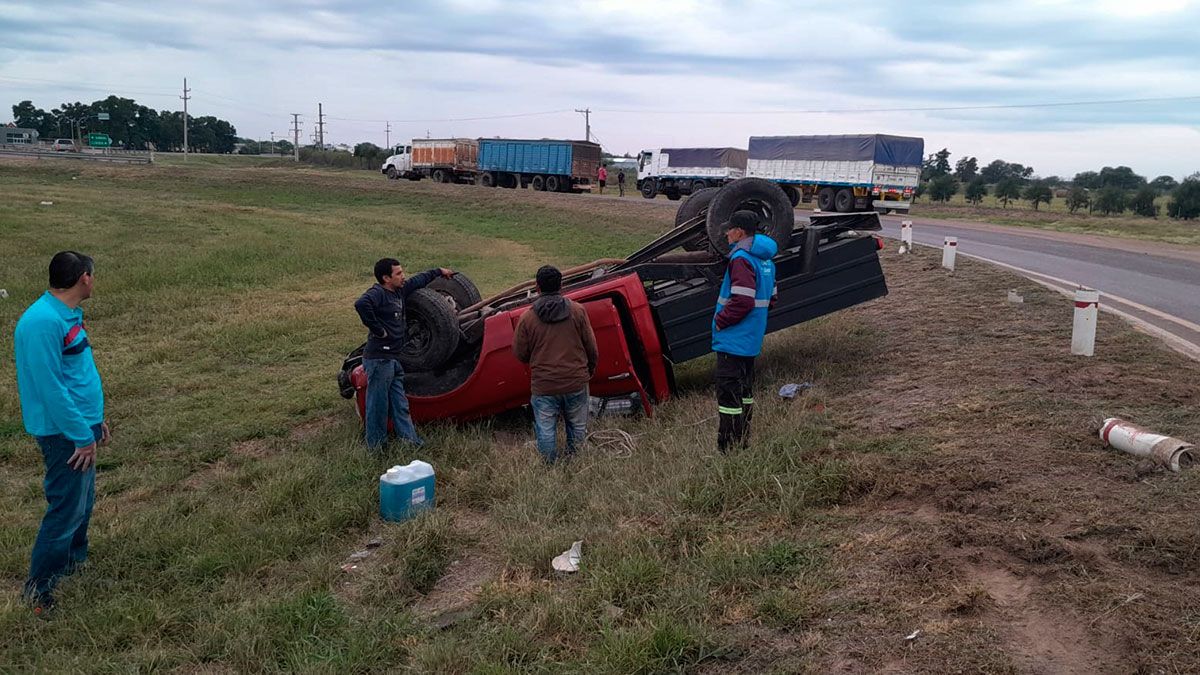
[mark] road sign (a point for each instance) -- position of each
(103, 117)
(99, 140)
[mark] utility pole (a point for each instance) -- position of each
(296, 136)
(185, 98)
(320, 127)
(587, 122)
(388, 131)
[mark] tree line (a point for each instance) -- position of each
(130, 125)
(1111, 190)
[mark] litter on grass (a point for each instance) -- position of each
(568, 560)
(791, 389)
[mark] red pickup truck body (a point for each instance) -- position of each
(500, 382)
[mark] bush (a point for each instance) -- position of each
(976, 191)
(1110, 200)
(1078, 198)
(338, 158)
(942, 188)
(1143, 204)
(1038, 193)
(1007, 190)
(1185, 201)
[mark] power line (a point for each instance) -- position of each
(455, 119)
(999, 106)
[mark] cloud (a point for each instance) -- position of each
(680, 62)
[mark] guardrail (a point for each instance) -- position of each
(110, 155)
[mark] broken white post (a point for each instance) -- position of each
(949, 249)
(906, 233)
(1165, 450)
(1083, 334)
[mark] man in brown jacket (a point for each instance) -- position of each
(555, 338)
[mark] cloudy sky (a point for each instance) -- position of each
(655, 73)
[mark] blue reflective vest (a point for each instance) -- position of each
(745, 338)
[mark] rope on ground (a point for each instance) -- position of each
(614, 442)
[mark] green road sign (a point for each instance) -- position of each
(99, 140)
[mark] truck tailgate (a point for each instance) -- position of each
(846, 273)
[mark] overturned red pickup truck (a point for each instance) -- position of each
(649, 311)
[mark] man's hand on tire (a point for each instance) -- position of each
(83, 459)
(446, 272)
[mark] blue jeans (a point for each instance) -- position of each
(546, 410)
(62, 542)
(386, 398)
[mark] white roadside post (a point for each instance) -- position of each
(1083, 334)
(906, 233)
(949, 250)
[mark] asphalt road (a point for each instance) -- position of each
(1156, 284)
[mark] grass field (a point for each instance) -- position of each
(1055, 216)
(942, 475)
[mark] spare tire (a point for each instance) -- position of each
(458, 289)
(763, 197)
(694, 206)
(432, 331)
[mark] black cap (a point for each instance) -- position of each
(549, 279)
(746, 220)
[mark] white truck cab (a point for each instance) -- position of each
(682, 171)
(399, 164)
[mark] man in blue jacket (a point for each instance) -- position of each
(381, 309)
(62, 406)
(739, 324)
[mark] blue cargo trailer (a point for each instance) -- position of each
(547, 164)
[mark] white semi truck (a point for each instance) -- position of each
(865, 172)
(682, 171)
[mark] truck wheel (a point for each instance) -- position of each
(762, 196)
(650, 188)
(511, 181)
(825, 199)
(432, 331)
(673, 194)
(793, 195)
(458, 290)
(392, 173)
(538, 183)
(439, 176)
(844, 201)
(487, 179)
(692, 208)
(698, 186)
(553, 183)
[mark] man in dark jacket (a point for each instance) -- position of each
(381, 309)
(555, 338)
(739, 324)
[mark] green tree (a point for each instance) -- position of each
(1121, 177)
(284, 147)
(1008, 189)
(1089, 180)
(1185, 200)
(976, 191)
(1164, 184)
(966, 169)
(921, 190)
(1078, 199)
(1110, 200)
(942, 188)
(368, 150)
(1142, 202)
(999, 169)
(936, 164)
(1038, 192)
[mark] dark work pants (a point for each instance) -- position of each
(735, 399)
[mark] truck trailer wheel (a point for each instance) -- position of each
(693, 207)
(487, 179)
(458, 290)
(673, 194)
(844, 201)
(553, 184)
(510, 180)
(538, 183)
(432, 331)
(650, 188)
(825, 199)
(763, 197)
(698, 186)
(793, 195)
(440, 176)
